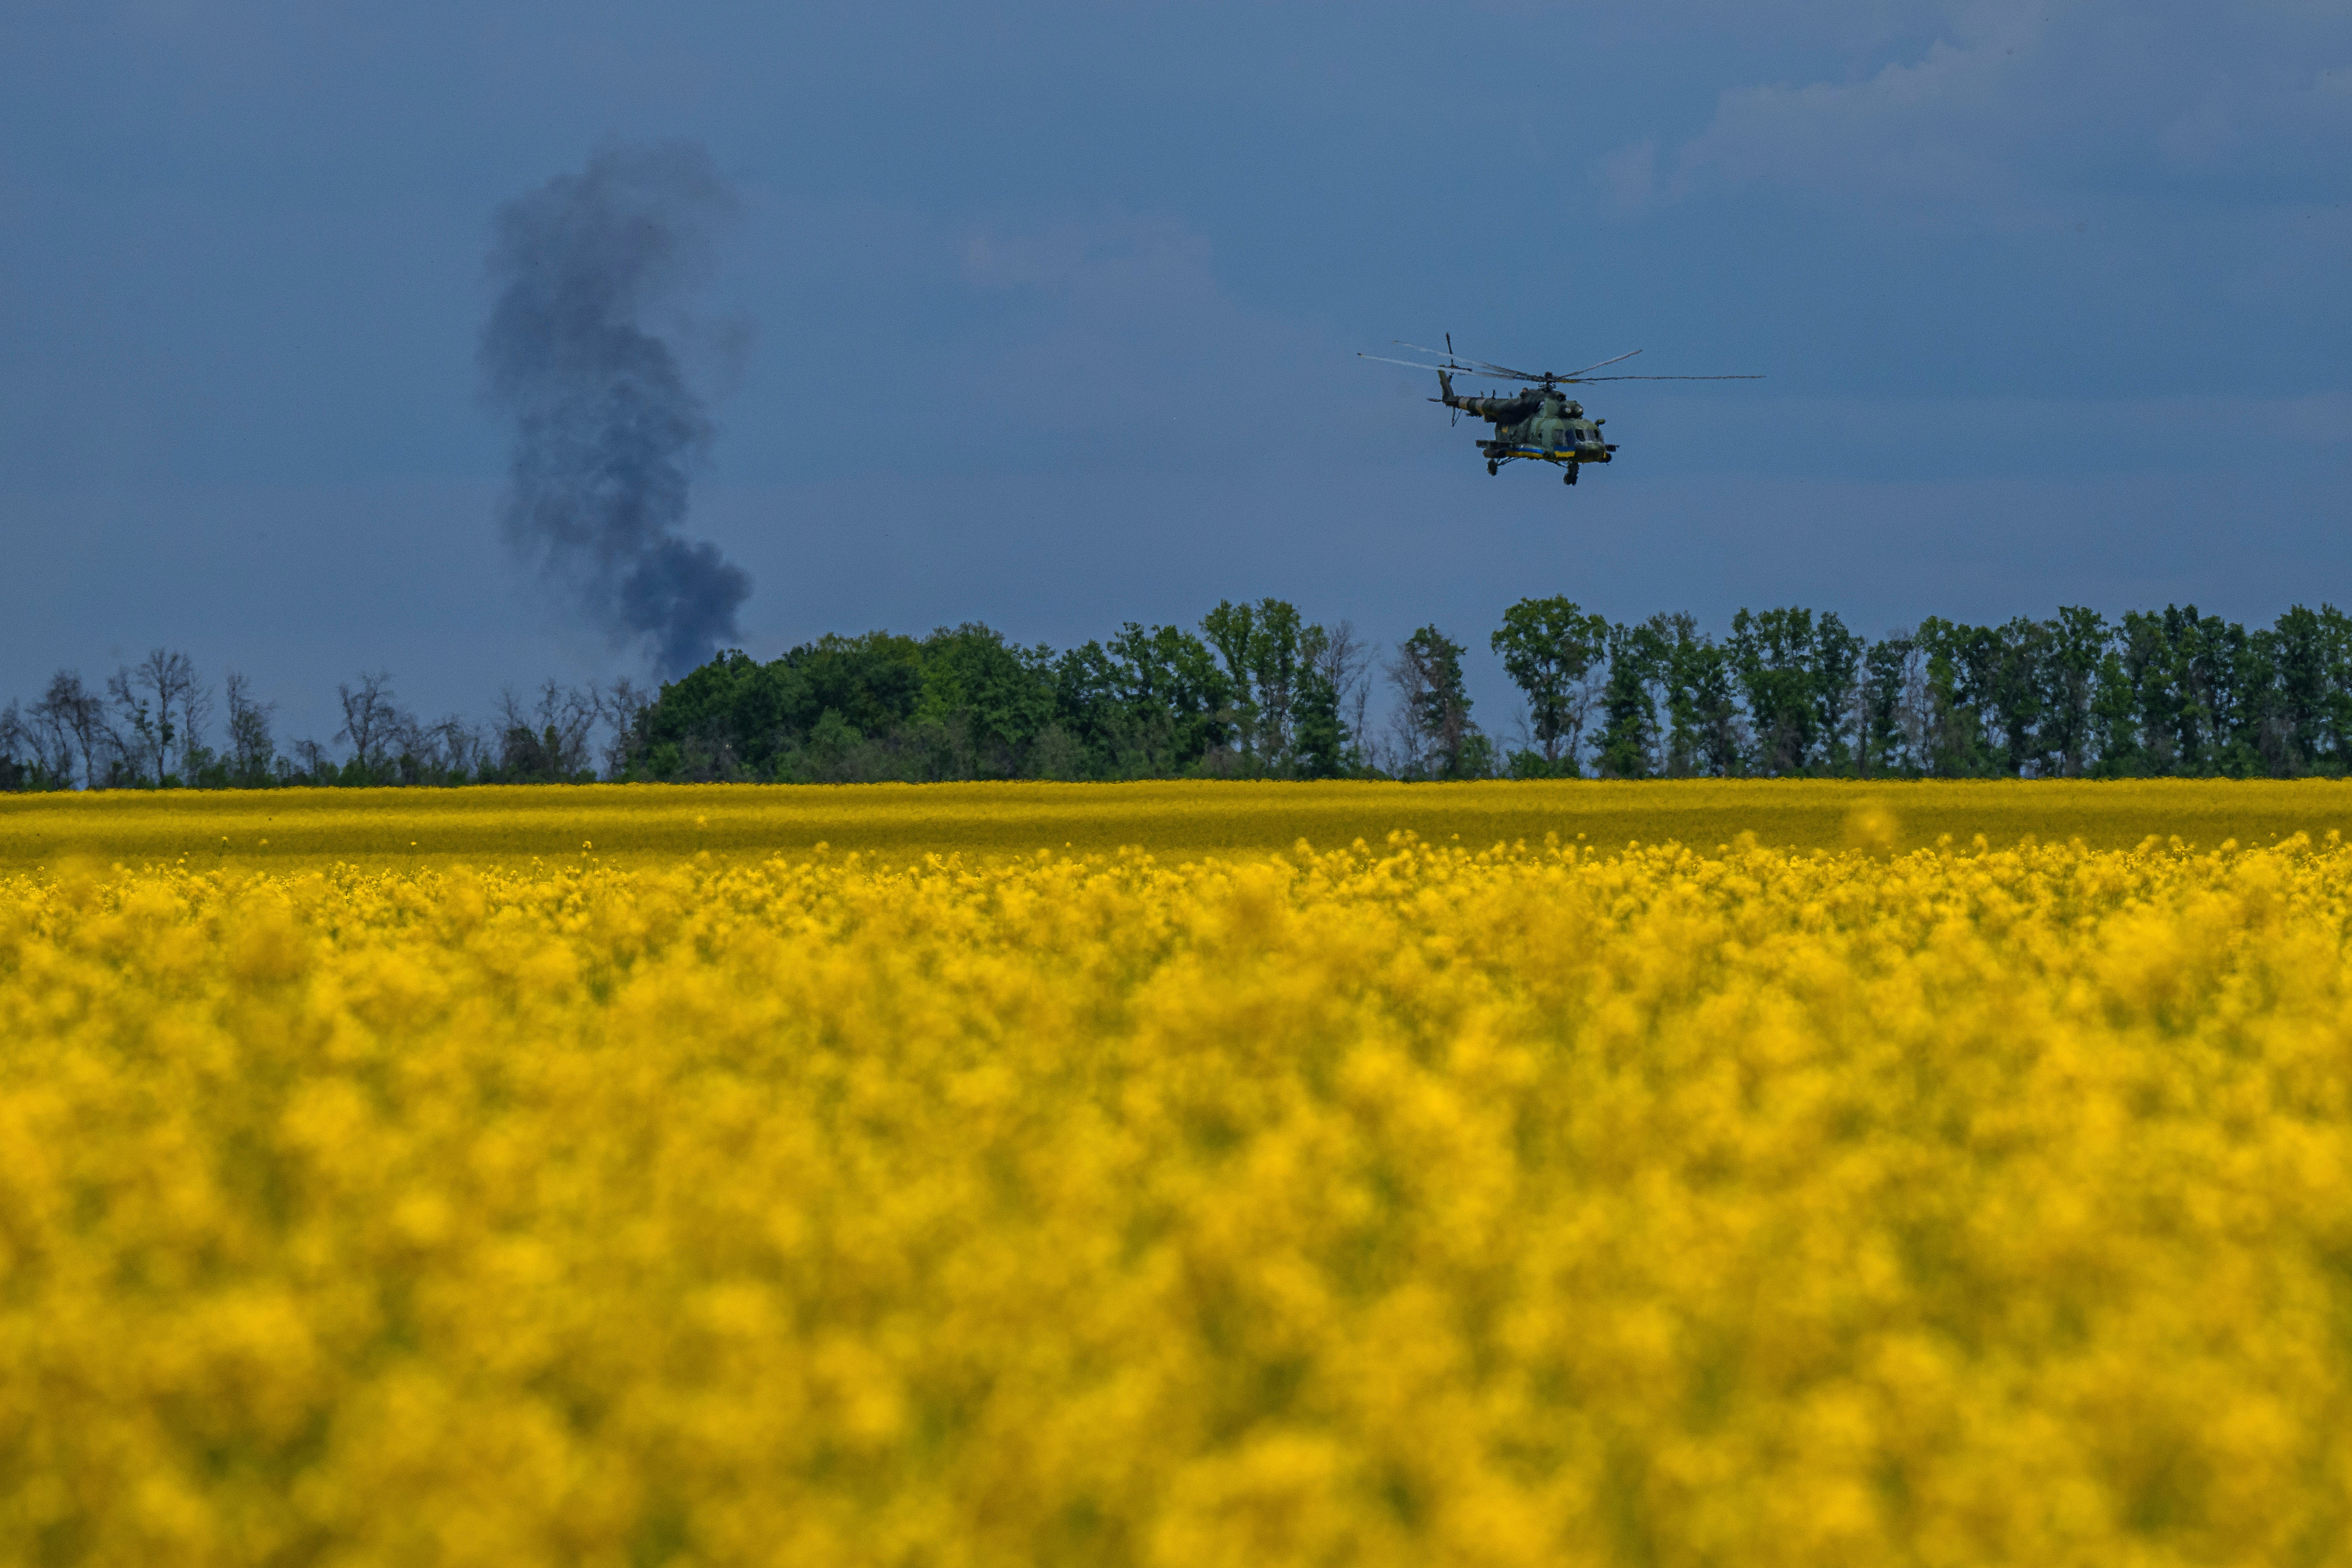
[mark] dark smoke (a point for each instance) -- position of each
(605, 427)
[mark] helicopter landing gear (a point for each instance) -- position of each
(1490, 464)
(1569, 478)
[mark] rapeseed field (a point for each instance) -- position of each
(635, 824)
(1396, 1200)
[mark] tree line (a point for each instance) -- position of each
(1256, 690)
(152, 726)
(2169, 693)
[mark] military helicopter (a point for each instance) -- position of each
(1540, 423)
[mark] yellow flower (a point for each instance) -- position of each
(1881, 1200)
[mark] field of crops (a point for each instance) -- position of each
(634, 824)
(1838, 1189)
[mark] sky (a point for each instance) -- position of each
(1047, 315)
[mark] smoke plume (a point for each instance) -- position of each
(605, 427)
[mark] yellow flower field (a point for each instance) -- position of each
(632, 824)
(1419, 1202)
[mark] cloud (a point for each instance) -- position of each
(2020, 112)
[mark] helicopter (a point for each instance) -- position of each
(1541, 423)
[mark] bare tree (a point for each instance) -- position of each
(371, 718)
(195, 717)
(141, 736)
(250, 748)
(468, 746)
(1589, 688)
(1341, 658)
(52, 734)
(19, 767)
(546, 740)
(168, 677)
(73, 718)
(450, 751)
(624, 706)
(45, 748)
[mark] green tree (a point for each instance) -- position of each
(1959, 660)
(2015, 692)
(2076, 647)
(1886, 684)
(875, 683)
(1323, 743)
(2331, 742)
(2115, 725)
(2209, 669)
(724, 720)
(1704, 734)
(2189, 675)
(1232, 631)
(1262, 654)
(1628, 744)
(1548, 647)
(984, 701)
(1774, 656)
(1439, 739)
(1276, 655)
(1836, 668)
(2309, 719)
(1149, 704)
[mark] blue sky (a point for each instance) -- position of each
(1053, 312)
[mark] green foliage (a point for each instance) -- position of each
(1628, 741)
(1792, 691)
(1886, 683)
(1322, 745)
(1267, 656)
(1797, 673)
(1259, 692)
(1439, 739)
(1150, 703)
(1547, 646)
(1703, 735)
(965, 703)
(961, 703)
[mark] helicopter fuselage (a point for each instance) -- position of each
(1542, 424)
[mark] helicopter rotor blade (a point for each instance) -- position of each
(1585, 378)
(1489, 368)
(1467, 370)
(1463, 362)
(1478, 369)
(1416, 364)
(1572, 375)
